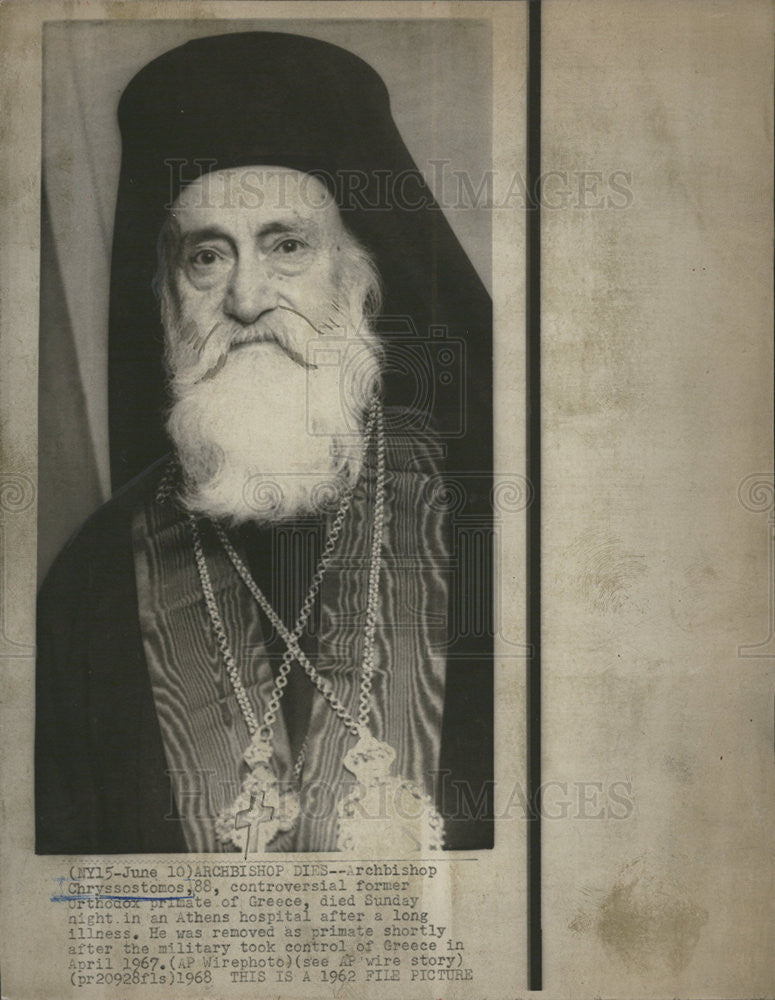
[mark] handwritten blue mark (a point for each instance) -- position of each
(86, 897)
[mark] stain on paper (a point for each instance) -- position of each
(606, 570)
(644, 920)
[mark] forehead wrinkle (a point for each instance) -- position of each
(233, 229)
(210, 199)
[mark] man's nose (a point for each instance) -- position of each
(250, 292)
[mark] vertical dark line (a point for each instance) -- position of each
(533, 461)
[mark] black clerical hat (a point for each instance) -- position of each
(267, 98)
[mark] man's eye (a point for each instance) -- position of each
(205, 258)
(289, 246)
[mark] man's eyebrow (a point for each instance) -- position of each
(290, 226)
(206, 233)
(274, 228)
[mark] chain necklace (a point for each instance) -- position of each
(369, 760)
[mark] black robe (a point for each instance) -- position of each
(101, 777)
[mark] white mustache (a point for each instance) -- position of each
(229, 336)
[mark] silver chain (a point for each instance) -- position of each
(293, 650)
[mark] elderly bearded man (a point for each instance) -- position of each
(199, 687)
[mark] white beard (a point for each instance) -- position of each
(266, 439)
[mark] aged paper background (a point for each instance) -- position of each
(658, 655)
(657, 323)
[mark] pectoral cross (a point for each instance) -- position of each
(256, 816)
